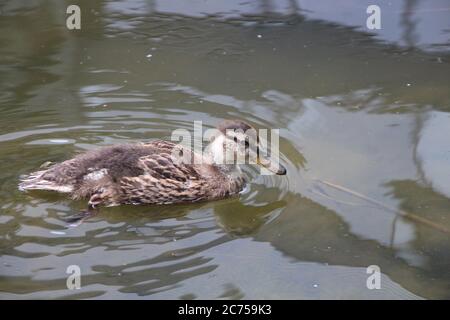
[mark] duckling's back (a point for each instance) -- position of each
(131, 174)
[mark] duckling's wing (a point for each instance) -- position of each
(164, 181)
(91, 166)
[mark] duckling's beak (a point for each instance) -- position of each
(271, 166)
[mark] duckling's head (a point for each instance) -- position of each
(236, 142)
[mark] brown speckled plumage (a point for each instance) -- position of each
(143, 173)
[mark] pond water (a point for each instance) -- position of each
(364, 126)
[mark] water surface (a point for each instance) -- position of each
(369, 115)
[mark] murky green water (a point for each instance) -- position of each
(352, 111)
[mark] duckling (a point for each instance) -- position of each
(152, 173)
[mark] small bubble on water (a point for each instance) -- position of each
(259, 36)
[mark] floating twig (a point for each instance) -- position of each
(398, 212)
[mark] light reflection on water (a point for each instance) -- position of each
(352, 111)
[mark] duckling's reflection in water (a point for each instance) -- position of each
(240, 220)
(236, 218)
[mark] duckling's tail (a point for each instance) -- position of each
(37, 181)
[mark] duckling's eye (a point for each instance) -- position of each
(235, 139)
